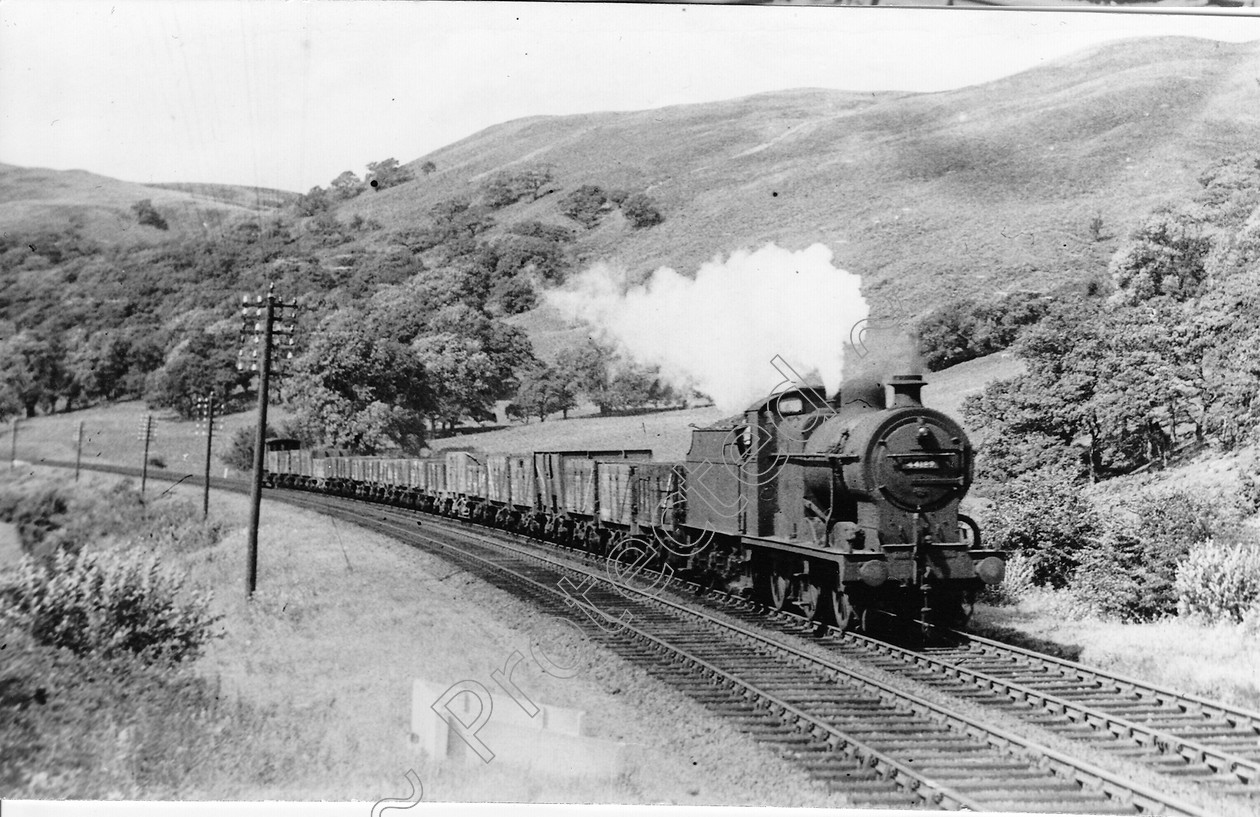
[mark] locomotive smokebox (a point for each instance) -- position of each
(907, 390)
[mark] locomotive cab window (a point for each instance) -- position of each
(788, 406)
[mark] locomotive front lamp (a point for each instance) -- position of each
(873, 572)
(991, 570)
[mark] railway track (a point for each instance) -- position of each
(879, 745)
(1194, 741)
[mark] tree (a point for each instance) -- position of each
(148, 215)
(387, 173)
(586, 364)
(542, 391)
(32, 372)
(1165, 256)
(346, 186)
(509, 187)
(585, 205)
(428, 167)
(354, 389)
(314, 202)
(965, 329)
(203, 363)
(99, 364)
(641, 211)
(513, 295)
(471, 361)
(531, 256)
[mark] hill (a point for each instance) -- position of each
(37, 199)
(928, 196)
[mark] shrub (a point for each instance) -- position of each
(88, 728)
(240, 451)
(52, 518)
(108, 604)
(1127, 577)
(963, 329)
(585, 205)
(641, 211)
(1219, 582)
(1129, 572)
(504, 187)
(1044, 516)
(37, 513)
(148, 215)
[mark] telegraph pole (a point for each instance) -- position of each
(205, 413)
(146, 434)
(78, 452)
(262, 315)
(13, 447)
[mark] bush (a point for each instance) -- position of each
(1219, 582)
(148, 215)
(89, 728)
(1127, 577)
(1129, 572)
(240, 451)
(37, 512)
(108, 604)
(641, 211)
(962, 330)
(1043, 516)
(53, 518)
(585, 205)
(504, 187)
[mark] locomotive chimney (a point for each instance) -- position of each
(907, 390)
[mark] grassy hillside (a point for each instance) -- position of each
(36, 199)
(254, 198)
(933, 195)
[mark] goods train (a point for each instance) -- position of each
(838, 508)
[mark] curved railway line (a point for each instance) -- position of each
(879, 745)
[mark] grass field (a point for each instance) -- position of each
(111, 435)
(1220, 662)
(325, 654)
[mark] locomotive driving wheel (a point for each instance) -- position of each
(807, 599)
(780, 588)
(844, 616)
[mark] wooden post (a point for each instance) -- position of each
(147, 431)
(78, 452)
(260, 442)
(205, 496)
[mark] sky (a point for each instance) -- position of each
(289, 93)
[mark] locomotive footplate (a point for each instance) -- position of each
(948, 562)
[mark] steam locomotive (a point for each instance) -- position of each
(839, 508)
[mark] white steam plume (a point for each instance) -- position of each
(718, 332)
